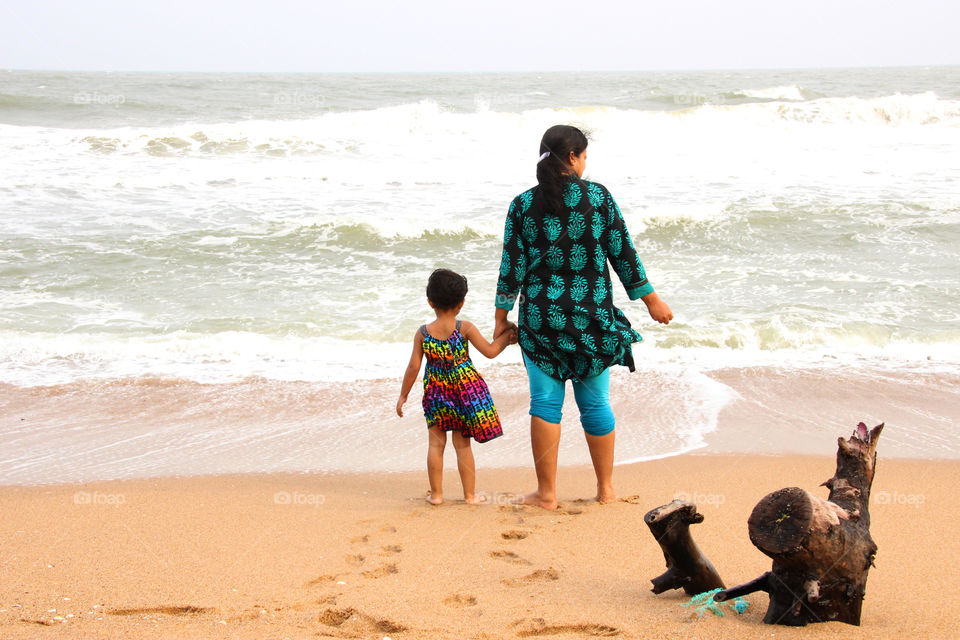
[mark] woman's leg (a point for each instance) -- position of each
(437, 442)
(596, 416)
(467, 468)
(546, 402)
(545, 441)
(601, 452)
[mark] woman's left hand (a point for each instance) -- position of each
(659, 310)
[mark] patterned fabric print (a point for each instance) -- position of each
(560, 263)
(455, 397)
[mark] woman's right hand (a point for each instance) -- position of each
(501, 324)
(503, 327)
(659, 310)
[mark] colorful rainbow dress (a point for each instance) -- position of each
(455, 397)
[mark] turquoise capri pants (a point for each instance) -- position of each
(592, 395)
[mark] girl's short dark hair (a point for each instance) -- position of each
(446, 289)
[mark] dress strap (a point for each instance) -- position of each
(458, 325)
(423, 330)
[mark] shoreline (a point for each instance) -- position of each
(449, 469)
(167, 428)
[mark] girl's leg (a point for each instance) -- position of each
(437, 442)
(546, 402)
(467, 468)
(596, 416)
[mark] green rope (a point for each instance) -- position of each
(703, 602)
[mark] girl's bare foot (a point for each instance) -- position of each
(536, 500)
(434, 498)
(475, 499)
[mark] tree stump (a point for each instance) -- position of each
(687, 567)
(821, 549)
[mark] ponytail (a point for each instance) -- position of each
(553, 170)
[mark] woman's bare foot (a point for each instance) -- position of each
(536, 500)
(606, 495)
(478, 498)
(606, 498)
(434, 498)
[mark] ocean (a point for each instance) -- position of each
(218, 273)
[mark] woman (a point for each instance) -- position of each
(559, 239)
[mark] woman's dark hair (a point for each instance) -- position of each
(446, 289)
(553, 171)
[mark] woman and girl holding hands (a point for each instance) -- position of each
(560, 239)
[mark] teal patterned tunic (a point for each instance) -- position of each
(558, 264)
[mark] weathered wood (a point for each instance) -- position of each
(757, 584)
(821, 549)
(687, 567)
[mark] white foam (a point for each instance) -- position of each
(39, 359)
(425, 124)
(843, 351)
(213, 241)
(896, 110)
(413, 168)
(785, 92)
(682, 409)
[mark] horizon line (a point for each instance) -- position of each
(513, 71)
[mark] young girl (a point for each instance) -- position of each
(455, 397)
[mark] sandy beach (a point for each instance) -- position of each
(362, 556)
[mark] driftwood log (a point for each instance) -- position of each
(821, 549)
(687, 567)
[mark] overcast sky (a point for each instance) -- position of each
(492, 35)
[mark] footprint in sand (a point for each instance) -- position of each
(360, 539)
(356, 623)
(513, 508)
(324, 579)
(569, 511)
(515, 534)
(539, 627)
(540, 575)
(460, 600)
(355, 560)
(632, 499)
(379, 572)
(256, 612)
(512, 521)
(509, 556)
(391, 549)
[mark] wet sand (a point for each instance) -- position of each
(152, 427)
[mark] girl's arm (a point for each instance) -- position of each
(412, 372)
(488, 349)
